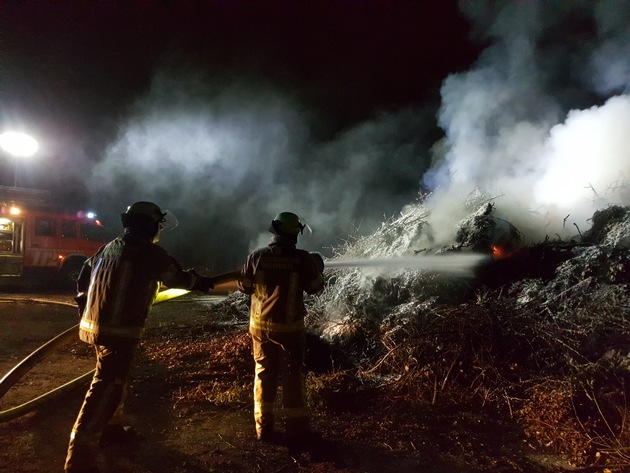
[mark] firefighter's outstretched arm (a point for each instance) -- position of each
(201, 283)
(204, 283)
(226, 277)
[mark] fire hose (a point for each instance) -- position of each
(61, 340)
(30, 362)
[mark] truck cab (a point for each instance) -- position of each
(43, 241)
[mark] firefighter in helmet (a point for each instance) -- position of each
(116, 288)
(276, 276)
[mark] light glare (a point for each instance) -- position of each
(18, 144)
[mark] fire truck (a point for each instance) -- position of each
(36, 240)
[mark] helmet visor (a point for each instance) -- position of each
(306, 229)
(169, 221)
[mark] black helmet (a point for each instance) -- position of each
(148, 209)
(287, 223)
(143, 218)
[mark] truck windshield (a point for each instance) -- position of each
(92, 232)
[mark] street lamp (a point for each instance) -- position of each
(19, 145)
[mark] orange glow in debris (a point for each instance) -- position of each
(498, 252)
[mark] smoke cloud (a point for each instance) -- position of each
(541, 121)
(227, 159)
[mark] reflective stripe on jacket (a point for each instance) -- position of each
(122, 280)
(276, 276)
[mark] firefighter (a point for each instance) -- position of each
(116, 288)
(276, 276)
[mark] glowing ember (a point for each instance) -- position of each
(498, 252)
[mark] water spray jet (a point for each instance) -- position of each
(461, 264)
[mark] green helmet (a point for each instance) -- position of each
(288, 223)
(148, 209)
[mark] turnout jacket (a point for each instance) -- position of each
(118, 286)
(276, 276)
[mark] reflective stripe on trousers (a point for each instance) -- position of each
(268, 326)
(121, 331)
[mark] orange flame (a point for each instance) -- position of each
(498, 252)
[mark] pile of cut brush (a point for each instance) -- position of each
(541, 337)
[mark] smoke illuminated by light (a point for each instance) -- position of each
(515, 126)
(229, 161)
(538, 124)
(588, 158)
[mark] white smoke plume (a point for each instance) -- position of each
(225, 159)
(542, 119)
(539, 122)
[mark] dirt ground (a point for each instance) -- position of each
(190, 422)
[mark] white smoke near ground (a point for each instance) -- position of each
(225, 159)
(541, 121)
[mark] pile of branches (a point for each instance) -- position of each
(551, 352)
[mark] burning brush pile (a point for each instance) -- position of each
(538, 333)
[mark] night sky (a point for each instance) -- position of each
(228, 112)
(72, 69)
(344, 59)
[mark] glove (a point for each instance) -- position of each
(318, 259)
(202, 284)
(81, 302)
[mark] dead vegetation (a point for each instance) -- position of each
(540, 340)
(214, 368)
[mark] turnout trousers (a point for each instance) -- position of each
(280, 357)
(102, 404)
